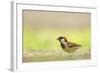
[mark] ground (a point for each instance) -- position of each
(53, 55)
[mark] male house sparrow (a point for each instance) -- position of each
(67, 46)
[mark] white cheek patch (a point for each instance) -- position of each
(63, 41)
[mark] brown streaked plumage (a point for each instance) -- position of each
(67, 46)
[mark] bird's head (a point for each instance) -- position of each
(62, 38)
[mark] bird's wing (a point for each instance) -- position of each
(70, 44)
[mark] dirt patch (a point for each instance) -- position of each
(51, 55)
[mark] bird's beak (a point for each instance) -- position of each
(57, 38)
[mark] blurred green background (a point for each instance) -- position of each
(47, 39)
(42, 28)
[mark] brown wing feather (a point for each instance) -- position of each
(70, 44)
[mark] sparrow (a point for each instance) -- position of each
(67, 46)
